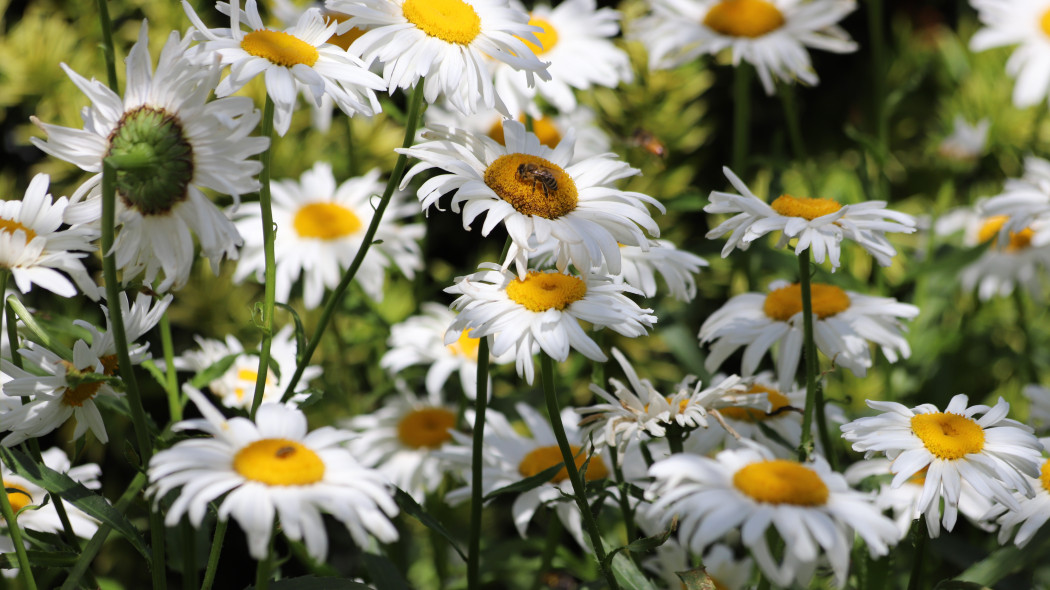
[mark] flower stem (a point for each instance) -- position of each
(270, 261)
(264, 569)
(878, 58)
(918, 535)
(578, 488)
(481, 405)
(675, 435)
(741, 116)
(16, 307)
(213, 556)
(630, 528)
(108, 50)
(171, 385)
(415, 108)
(554, 528)
(809, 353)
(1026, 370)
(189, 555)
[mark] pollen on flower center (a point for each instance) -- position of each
(532, 185)
(426, 428)
(548, 37)
(803, 207)
(541, 291)
(1044, 23)
(466, 345)
(777, 402)
(280, 48)
(345, 40)
(783, 303)
(76, 396)
(543, 128)
(744, 18)
(159, 160)
(19, 499)
(11, 226)
(542, 458)
(780, 481)
(452, 21)
(325, 221)
(279, 462)
(990, 230)
(1044, 475)
(948, 436)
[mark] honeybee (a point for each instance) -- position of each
(538, 175)
(648, 142)
(285, 452)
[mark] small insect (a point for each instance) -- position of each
(538, 175)
(648, 142)
(285, 452)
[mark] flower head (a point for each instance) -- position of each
(1030, 514)
(1018, 22)
(1025, 202)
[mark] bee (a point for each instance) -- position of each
(538, 175)
(285, 452)
(648, 142)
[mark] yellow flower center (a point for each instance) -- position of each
(532, 185)
(279, 462)
(76, 396)
(11, 226)
(543, 128)
(542, 458)
(548, 37)
(250, 376)
(777, 401)
(541, 291)
(990, 231)
(779, 481)
(325, 221)
(426, 428)
(346, 39)
(1044, 23)
(948, 436)
(783, 303)
(280, 48)
(19, 499)
(466, 345)
(1044, 475)
(744, 18)
(804, 207)
(452, 21)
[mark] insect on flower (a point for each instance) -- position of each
(538, 175)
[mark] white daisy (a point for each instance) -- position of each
(297, 59)
(1026, 201)
(966, 142)
(320, 230)
(992, 453)
(819, 224)
(1031, 513)
(445, 42)
(810, 506)
(576, 38)
(1018, 22)
(676, 267)
(197, 144)
(542, 312)
(539, 194)
(671, 561)
(844, 323)
(272, 468)
(772, 35)
(45, 517)
(1038, 406)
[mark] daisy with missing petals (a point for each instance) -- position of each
(540, 194)
(1026, 201)
(1018, 22)
(322, 226)
(844, 323)
(819, 224)
(542, 311)
(772, 35)
(446, 42)
(269, 468)
(196, 145)
(296, 59)
(1030, 514)
(992, 453)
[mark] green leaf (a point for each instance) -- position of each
(214, 370)
(409, 506)
(696, 579)
(959, 585)
(40, 559)
(300, 332)
(628, 574)
(645, 544)
(76, 494)
(526, 484)
(315, 583)
(385, 575)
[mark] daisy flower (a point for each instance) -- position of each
(810, 507)
(992, 452)
(1031, 513)
(576, 38)
(820, 225)
(844, 323)
(269, 468)
(197, 144)
(1038, 405)
(719, 563)
(771, 35)
(321, 228)
(297, 59)
(445, 42)
(966, 142)
(542, 311)
(639, 267)
(539, 194)
(1018, 22)
(34, 247)
(1026, 201)
(420, 340)
(45, 517)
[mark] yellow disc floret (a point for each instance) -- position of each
(18, 499)
(542, 458)
(426, 428)
(783, 303)
(948, 436)
(780, 481)
(279, 462)
(77, 395)
(532, 185)
(777, 402)
(543, 128)
(466, 345)
(744, 18)
(803, 207)
(325, 221)
(11, 226)
(1044, 23)
(280, 48)
(1044, 475)
(548, 37)
(345, 40)
(541, 291)
(452, 21)
(990, 231)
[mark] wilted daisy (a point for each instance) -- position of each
(542, 311)
(844, 325)
(44, 518)
(446, 42)
(269, 468)
(576, 38)
(772, 35)
(197, 145)
(810, 507)
(1026, 201)
(320, 230)
(992, 453)
(539, 194)
(1031, 513)
(1018, 22)
(819, 225)
(966, 142)
(34, 246)
(297, 59)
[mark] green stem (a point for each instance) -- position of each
(476, 464)
(269, 293)
(675, 435)
(36, 331)
(1026, 370)
(741, 117)
(918, 534)
(878, 58)
(107, 45)
(213, 555)
(189, 555)
(265, 566)
(171, 385)
(809, 354)
(630, 528)
(415, 108)
(554, 528)
(12, 334)
(798, 145)
(578, 488)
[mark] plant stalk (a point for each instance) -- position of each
(270, 272)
